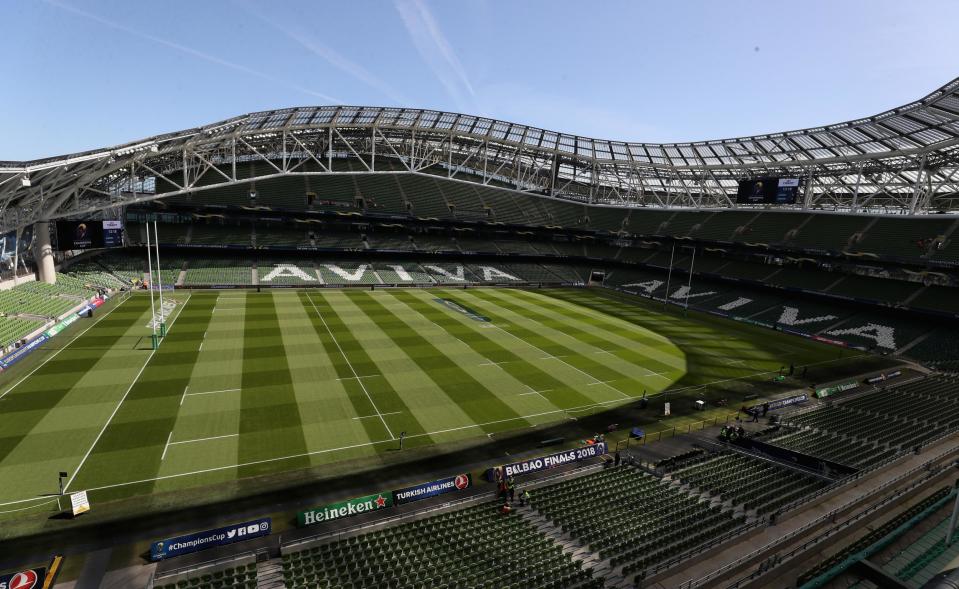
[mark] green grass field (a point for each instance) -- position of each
(251, 383)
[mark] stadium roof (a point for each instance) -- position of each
(906, 159)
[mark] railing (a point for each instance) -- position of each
(223, 560)
(831, 515)
(479, 497)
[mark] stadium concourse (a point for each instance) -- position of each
(364, 347)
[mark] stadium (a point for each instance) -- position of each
(349, 346)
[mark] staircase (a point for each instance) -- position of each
(269, 575)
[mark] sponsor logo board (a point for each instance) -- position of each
(343, 509)
(554, 460)
(209, 538)
(432, 489)
(28, 579)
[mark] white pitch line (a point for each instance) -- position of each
(366, 444)
(329, 450)
(201, 439)
(76, 470)
(167, 447)
(185, 389)
(359, 377)
(591, 384)
(213, 392)
(551, 356)
(70, 343)
(350, 364)
(369, 416)
(200, 349)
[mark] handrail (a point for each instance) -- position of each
(478, 497)
(827, 516)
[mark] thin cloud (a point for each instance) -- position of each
(188, 50)
(436, 50)
(336, 59)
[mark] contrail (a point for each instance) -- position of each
(434, 48)
(189, 50)
(337, 60)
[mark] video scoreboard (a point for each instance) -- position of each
(772, 190)
(80, 235)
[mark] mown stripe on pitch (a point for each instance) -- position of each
(523, 371)
(701, 365)
(131, 446)
(270, 422)
(385, 396)
(472, 396)
(646, 348)
(26, 405)
(591, 366)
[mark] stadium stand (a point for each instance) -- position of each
(800, 278)
(753, 483)
(908, 563)
(877, 289)
(220, 271)
(92, 275)
(238, 577)
(287, 272)
(901, 237)
(12, 329)
(887, 430)
(828, 232)
(632, 518)
(38, 299)
(238, 235)
(830, 447)
(281, 237)
(473, 547)
(770, 228)
(402, 273)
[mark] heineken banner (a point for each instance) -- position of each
(554, 460)
(208, 539)
(347, 508)
(826, 391)
(61, 326)
(427, 490)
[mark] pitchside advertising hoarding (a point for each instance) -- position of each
(426, 490)
(28, 579)
(553, 460)
(385, 500)
(344, 509)
(210, 538)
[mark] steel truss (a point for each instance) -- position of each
(903, 160)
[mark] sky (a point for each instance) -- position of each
(80, 75)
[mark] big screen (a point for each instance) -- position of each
(80, 235)
(768, 191)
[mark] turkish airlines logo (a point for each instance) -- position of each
(461, 481)
(24, 580)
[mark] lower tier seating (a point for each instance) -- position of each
(474, 547)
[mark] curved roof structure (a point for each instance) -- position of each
(906, 159)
